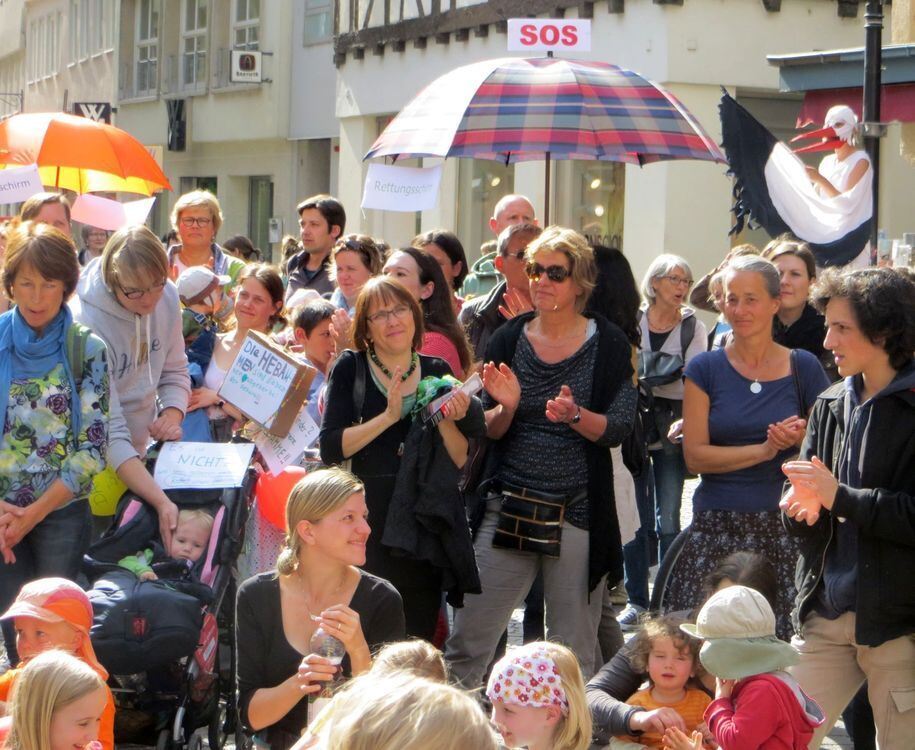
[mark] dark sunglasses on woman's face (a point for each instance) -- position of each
(556, 274)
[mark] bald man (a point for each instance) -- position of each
(511, 210)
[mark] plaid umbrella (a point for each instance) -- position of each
(516, 109)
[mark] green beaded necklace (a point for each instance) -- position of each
(414, 361)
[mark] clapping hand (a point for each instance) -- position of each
(500, 383)
(785, 434)
(676, 739)
(812, 487)
(562, 408)
(514, 304)
(395, 398)
(341, 330)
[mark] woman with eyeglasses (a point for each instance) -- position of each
(125, 297)
(197, 218)
(421, 274)
(258, 307)
(55, 416)
(559, 394)
(369, 405)
(671, 336)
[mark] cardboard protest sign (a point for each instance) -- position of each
(201, 466)
(266, 384)
(279, 452)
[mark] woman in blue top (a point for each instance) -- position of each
(744, 414)
(55, 427)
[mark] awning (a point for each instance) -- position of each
(897, 103)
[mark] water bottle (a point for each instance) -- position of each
(324, 644)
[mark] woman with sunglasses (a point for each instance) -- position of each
(559, 393)
(125, 298)
(671, 336)
(368, 412)
(421, 274)
(197, 218)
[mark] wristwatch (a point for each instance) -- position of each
(577, 418)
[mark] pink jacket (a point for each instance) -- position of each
(765, 712)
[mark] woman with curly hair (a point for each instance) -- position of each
(55, 427)
(852, 506)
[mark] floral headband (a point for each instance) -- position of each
(528, 678)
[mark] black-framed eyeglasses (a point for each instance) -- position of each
(195, 221)
(137, 293)
(556, 274)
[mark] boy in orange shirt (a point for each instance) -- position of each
(56, 613)
(670, 657)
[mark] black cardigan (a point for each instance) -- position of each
(612, 368)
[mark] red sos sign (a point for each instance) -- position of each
(535, 34)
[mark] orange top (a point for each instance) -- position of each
(106, 727)
(690, 708)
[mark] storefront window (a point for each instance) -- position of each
(481, 184)
(595, 200)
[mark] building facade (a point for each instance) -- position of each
(387, 52)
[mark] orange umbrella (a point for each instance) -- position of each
(76, 152)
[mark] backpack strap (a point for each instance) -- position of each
(687, 331)
(77, 338)
(359, 388)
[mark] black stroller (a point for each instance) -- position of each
(169, 644)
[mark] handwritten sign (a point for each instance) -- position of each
(19, 184)
(267, 384)
(282, 452)
(401, 188)
(202, 466)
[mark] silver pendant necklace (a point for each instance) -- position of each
(755, 386)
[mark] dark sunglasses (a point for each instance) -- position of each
(556, 274)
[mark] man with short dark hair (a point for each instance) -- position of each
(48, 208)
(483, 315)
(322, 221)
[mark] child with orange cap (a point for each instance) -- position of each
(56, 613)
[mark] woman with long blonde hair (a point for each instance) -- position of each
(57, 704)
(318, 583)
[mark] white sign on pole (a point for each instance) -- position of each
(282, 452)
(246, 66)
(110, 215)
(202, 466)
(390, 188)
(549, 34)
(19, 184)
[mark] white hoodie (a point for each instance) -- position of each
(137, 378)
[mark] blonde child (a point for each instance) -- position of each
(399, 711)
(758, 705)
(538, 698)
(416, 657)
(54, 613)
(670, 657)
(58, 702)
(189, 542)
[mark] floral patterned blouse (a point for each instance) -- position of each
(37, 444)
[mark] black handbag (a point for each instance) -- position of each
(530, 520)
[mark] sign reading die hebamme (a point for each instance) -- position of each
(267, 384)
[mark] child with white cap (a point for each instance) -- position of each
(200, 292)
(758, 705)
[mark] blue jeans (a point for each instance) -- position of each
(669, 470)
(637, 553)
(54, 548)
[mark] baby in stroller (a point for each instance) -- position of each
(189, 542)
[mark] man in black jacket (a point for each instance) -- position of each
(482, 316)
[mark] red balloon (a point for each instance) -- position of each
(272, 492)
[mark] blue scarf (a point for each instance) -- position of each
(23, 354)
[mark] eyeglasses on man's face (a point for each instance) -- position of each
(138, 293)
(195, 221)
(556, 274)
(383, 316)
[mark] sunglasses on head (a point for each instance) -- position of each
(556, 274)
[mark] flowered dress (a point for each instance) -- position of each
(37, 445)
